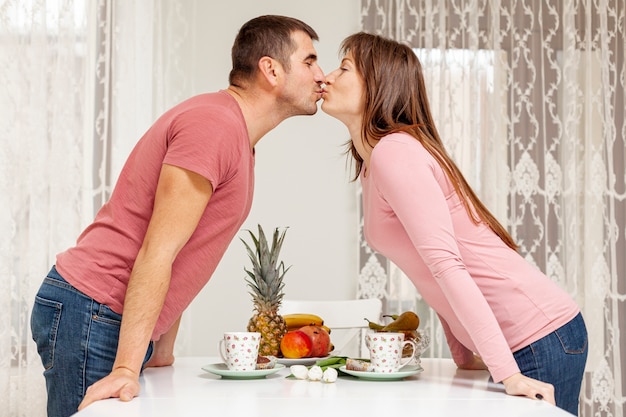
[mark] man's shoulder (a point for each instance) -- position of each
(217, 108)
(216, 100)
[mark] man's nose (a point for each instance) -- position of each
(320, 77)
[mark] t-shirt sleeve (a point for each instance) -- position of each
(409, 179)
(202, 142)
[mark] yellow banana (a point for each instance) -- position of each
(297, 320)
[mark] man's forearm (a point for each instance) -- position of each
(144, 300)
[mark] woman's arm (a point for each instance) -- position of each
(460, 354)
(474, 364)
(416, 189)
(409, 179)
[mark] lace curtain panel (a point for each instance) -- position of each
(529, 96)
(42, 56)
(81, 80)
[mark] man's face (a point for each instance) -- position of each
(302, 86)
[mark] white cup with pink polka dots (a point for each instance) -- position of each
(386, 351)
(240, 350)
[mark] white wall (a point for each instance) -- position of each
(302, 180)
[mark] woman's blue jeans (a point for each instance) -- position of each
(76, 339)
(559, 359)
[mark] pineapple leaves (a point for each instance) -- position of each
(266, 277)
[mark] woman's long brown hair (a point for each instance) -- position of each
(396, 101)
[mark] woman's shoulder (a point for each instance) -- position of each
(399, 144)
(400, 137)
(399, 153)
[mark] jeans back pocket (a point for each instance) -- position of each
(573, 335)
(44, 325)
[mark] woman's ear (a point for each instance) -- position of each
(270, 69)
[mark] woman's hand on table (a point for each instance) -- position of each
(476, 364)
(518, 384)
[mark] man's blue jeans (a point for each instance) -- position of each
(76, 339)
(559, 359)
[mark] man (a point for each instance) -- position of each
(181, 197)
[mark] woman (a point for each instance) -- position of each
(498, 312)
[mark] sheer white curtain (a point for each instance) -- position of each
(81, 81)
(42, 62)
(553, 95)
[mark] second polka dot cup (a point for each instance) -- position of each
(386, 351)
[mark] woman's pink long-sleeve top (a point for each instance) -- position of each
(490, 300)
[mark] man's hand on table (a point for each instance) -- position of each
(121, 383)
(160, 359)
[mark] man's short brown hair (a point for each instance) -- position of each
(268, 35)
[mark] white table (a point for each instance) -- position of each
(440, 390)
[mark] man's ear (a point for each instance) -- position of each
(270, 69)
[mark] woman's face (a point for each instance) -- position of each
(344, 94)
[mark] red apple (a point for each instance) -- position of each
(296, 344)
(319, 338)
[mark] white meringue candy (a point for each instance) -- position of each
(315, 373)
(299, 371)
(330, 375)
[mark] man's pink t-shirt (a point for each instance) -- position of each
(490, 300)
(206, 134)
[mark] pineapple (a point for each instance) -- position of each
(266, 282)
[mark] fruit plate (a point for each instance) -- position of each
(404, 372)
(300, 361)
(222, 370)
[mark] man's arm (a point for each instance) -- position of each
(163, 353)
(180, 200)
